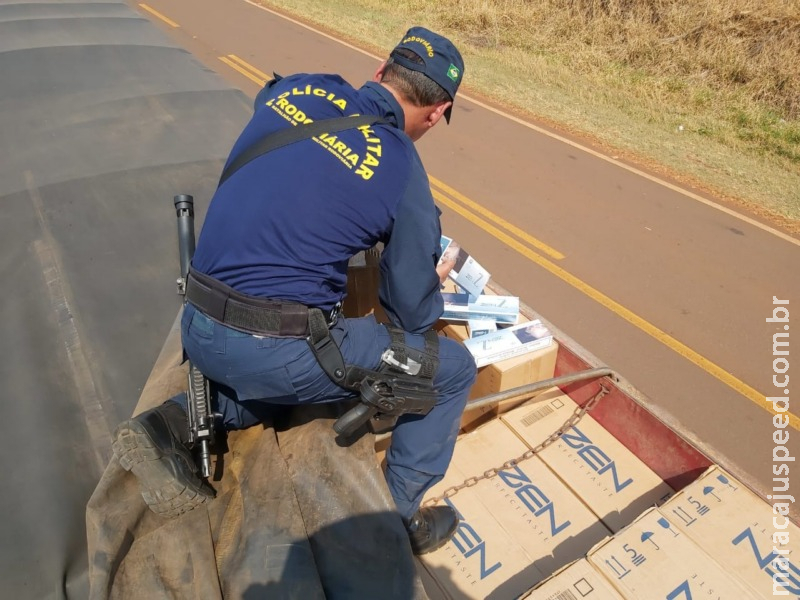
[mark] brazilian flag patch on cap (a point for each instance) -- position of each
(453, 73)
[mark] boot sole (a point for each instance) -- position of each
(167, 484)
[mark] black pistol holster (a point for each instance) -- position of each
(402, 384)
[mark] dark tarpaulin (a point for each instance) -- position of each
(296, 516)
(102, 121)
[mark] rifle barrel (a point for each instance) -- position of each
(184, 207)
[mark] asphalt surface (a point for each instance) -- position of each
(107, 111)
(103, 120)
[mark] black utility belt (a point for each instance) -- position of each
(259, 316)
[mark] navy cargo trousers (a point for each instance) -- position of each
(251, 370)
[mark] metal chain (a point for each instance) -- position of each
(573, 420)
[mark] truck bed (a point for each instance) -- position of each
(298, 515)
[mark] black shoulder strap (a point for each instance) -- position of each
(290, 135)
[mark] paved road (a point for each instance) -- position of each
(664, 284)
(99, 116)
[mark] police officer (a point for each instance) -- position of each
(277, 238)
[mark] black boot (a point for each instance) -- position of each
(153, 446)
(431, 527)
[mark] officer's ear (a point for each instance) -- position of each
(437, 112)
(378, 77)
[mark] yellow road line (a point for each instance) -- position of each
(256, 77)
(615, 307)
(523, 235)
(154, 12)
(250, 67)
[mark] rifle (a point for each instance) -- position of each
(201, 416)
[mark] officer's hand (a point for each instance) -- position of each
(445, 266)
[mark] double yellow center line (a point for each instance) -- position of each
(157, 14)
(253, 74)
(521, 242)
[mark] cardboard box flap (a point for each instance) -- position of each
(652, 560)
(738, 530)
(577, 581)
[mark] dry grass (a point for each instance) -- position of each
(705, 89)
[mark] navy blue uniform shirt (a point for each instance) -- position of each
(285, 225)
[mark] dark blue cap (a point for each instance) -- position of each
(441, 61)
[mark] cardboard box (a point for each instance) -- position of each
(652, 560)
(577, 581)
(509, 373)
(514, 372)
(735, 527)
(542, 514)
(482, 558)
(518, 526)
(609, 478)
(363, 281)
(501, 376)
